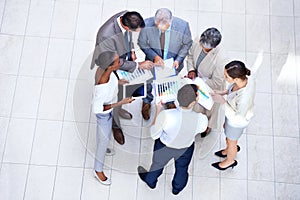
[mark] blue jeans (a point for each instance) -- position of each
(161, 156)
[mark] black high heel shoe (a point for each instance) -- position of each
(216, 165)
(219, 153)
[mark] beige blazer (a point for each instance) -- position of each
(211, 67)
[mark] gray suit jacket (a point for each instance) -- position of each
(180, 40)
(110, 38)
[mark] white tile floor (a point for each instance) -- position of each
(47, 130)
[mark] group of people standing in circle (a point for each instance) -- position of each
(174, 125)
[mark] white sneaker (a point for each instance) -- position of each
(110, 152)
(106, 182)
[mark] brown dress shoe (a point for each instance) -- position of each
(146, 110)
(118, 135)
(125, 114)
(170, 105)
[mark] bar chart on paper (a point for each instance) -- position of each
(138, 76)
(166, 89)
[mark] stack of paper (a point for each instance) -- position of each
(167, 70)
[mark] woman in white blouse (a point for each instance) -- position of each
(105, 99)
(238, 110)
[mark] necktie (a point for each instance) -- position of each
(162, 43)
(128, 46)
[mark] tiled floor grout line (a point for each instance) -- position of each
(220, 143)
(246, 138)
(297, 69)
(41, 92)
(88, 124)
(16, 83)
(272, 100)
(65, 104)
(4, 6)
(85, 156)
(49, 39)
(36, 119)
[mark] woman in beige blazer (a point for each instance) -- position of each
(238, 109)
(207, 59)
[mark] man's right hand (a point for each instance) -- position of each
(159, 61)
(145, 64)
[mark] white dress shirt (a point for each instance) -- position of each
(106, 93)
(177, 128)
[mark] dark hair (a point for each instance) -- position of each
(133, 20)
(105, 59)
(195, 88)
(210, 38)
(187, 94)
(237, 69)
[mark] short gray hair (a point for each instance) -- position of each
(163, 16)
(210, 38)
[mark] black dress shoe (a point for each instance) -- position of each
(118, 135)
(206, 132)
(175, 192)
(142, 174)
(216, 165)
(219, 153)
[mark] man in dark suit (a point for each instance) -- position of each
(115, 35)
(164, 37)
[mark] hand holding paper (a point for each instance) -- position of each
(166, 71)
(218, 98)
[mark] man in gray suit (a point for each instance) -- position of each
(116, 35)
(164, 37)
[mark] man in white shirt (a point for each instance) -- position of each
(174, 132)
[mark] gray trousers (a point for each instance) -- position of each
(104, 124)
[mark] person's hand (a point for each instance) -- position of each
(122, 81)
(126, 100)
(147, 64)
(133, 56)
(159, 106)
(159, 61)
(176, 64)
(218, 98)
(221, 92)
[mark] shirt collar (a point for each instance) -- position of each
(186, 110)
(119, 23)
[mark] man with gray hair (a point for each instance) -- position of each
(164, 37)
(207, 60)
